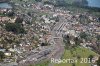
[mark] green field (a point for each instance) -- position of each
(79, 51)
(41, 63)
(46, 63)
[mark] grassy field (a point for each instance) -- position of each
(73, 53)
(46, 63)
(82, 52)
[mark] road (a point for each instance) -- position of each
(59, 46)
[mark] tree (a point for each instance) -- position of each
(77, 41)
(80, 2)
(83, 35)
(2, 55)
(66, 40)
(91, 57)
(38, 0)
(73, 64)
(66, 37)
(10, 14)
(57, 19)
(14, 27)
(98, 37)
(19, 20)
(29, 14)
(44, 44)
(48, 2)
(61, 3)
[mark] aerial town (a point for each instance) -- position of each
(33, 32)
